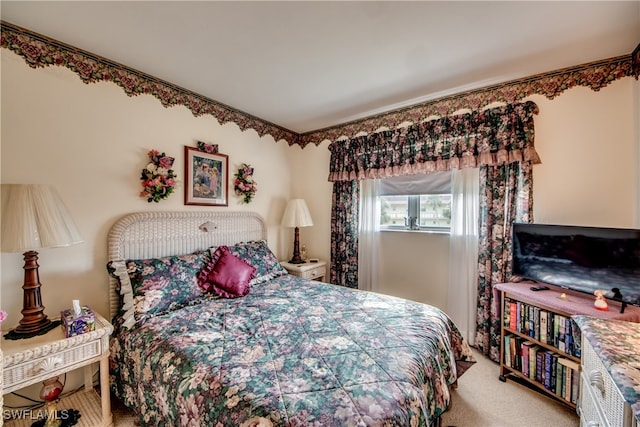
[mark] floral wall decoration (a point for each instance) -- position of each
(244, 185)
(158, 179)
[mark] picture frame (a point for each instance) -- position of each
(206, 178)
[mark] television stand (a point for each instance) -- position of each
(545, 354)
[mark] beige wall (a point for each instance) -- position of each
(309, 172)
(589, 150)
(90, 141)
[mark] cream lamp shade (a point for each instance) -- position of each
(296, 215)
(34, 217)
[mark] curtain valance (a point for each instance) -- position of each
(491, 137)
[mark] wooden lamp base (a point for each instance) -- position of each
(296, 259)
(34, 321)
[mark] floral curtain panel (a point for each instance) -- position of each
(344, 233)
(480, 138)
(506, 196)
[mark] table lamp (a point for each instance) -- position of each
(34, 217)
(296, 215)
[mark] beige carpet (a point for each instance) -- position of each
(481, 400)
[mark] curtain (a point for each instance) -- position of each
(505, 197)
(463, 251)
(369, 235)
(344, 233)
(496, 136)
(493, 138)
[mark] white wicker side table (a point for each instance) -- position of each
(31, 361)
(308, 270)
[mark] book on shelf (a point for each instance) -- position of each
(575, 386)
(513, 351)
(548, 361)
(533, 360)
(518, 353)
(568, 336)
(576, 340)
(540, 366)
(556, 329)
(513, 314)
(560, 378)
(567, 383)
(561, 332)
(572, 379)
(506, 313)
(526, 346)
(543, 326)
(554, 373)
(550, 328)
(531, 321)
(507, 352)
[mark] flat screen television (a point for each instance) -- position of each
(582, 259)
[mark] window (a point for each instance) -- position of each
(421, 212)
(416, 202)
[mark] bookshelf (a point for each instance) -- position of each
(540, 343)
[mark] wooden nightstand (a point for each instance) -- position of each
(308, 270)
(33, 360)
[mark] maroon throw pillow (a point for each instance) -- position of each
(231, 275)
(203, 275)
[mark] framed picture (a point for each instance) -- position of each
(206, 178)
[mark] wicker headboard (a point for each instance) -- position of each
(145, 235)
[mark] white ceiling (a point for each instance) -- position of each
(308, 65)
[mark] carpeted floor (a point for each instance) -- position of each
(481, 400)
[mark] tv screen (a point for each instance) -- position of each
(582, 259)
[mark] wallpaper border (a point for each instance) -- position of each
(41, 51)
(594, 75)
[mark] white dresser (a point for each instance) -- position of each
(610, 378)
(601, 403)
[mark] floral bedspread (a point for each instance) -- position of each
(294, 353)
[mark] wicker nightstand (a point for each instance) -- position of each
(308, 270)
(31, 361)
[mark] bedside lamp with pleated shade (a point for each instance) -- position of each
(34, 217)
(296, 215)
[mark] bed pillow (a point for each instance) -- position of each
(257, 254)
(152, 286)
(230, 276)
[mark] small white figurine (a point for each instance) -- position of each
(600, 303)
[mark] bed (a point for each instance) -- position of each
(280, 351)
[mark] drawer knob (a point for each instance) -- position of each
(47, 364)
(596, 380)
